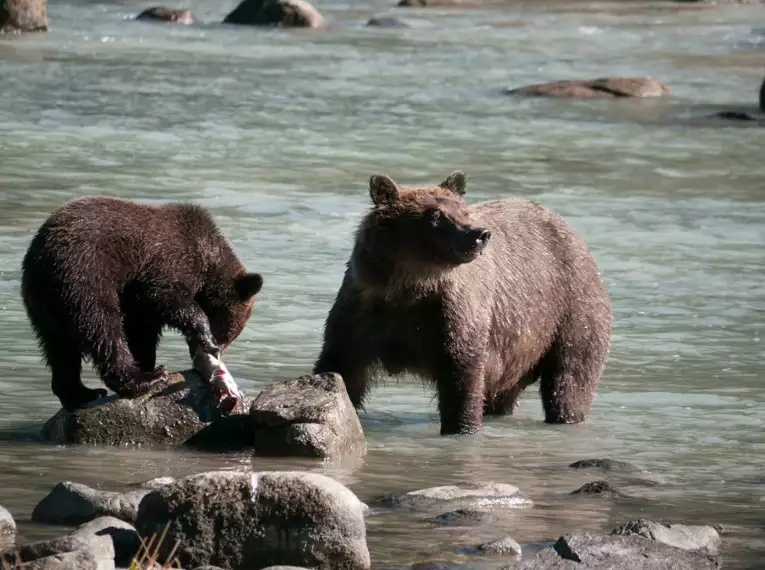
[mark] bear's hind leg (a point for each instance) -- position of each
(65, 363)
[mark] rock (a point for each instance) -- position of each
(252, 520)
(165, 14)
(598, 552)
(440, 3)
(506, 545)
(157, 482)
(740, 116)
(73, 503)
(18, 16)
(285, 568)
(464, 517)
(278, 13)
(461, 495)
(308, 416)
(125, 539)
(606, 465)
(688, 537)
(598, 488)
(7, 524)
(65, 553)
(169, 414)
(607, 87)
(387, 22)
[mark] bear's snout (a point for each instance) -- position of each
(483, 237)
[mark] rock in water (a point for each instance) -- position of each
(7, 524)
(502, 546)
(74, 503)
(310, 416)
(169, 414)
(687, 537)
(605, 87)
(124, 537)
(242, 521)
(278, 13)
(65, 553)
(606, 465)
(17, 16)
(461, 496)
(165, 14)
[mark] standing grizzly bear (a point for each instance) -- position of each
(483, 300)
(102, 278)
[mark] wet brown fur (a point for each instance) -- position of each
(104, 276)
(531, 307)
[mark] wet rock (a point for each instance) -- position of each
(165, 14)
(688, 537)
(606, 465)
(440, 3)
(601, 552)
(502, 546)
(740, 116)
(387, 22)
(18, 16)
(461, 495)
(65, 553)
(243, 520)
(307, 416)
(464, 517)
(285, 568)
(277, 13)
(606, 87)
(157, 482)
(169, 414)
(233, 433)
(73, 503)
(7, 524)
(125, 539)
(598, 488)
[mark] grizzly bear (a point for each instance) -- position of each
(482, 300)
(104, 276)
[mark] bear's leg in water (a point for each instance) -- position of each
(460, 396)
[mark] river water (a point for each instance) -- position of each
(278, 132)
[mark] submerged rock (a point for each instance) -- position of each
(440, 3)
(387, 22)
(501, 546)
(606, 465)
(598, 488)
(278, 13)
(310, 416)
(18, 16)
(688, 537)
(73, 503)
(7, 524)
(252, 520)
(165, 14)
(464, 517)
(169, 414)
(461, 495)
(125, 539)
(65, 553)
(602, 552)
(606, 87)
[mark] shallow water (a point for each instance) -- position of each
(277, 133)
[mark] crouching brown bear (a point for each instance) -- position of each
(104, 276)
(483, 300)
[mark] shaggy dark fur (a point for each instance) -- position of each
(483, 300)
(103, 277)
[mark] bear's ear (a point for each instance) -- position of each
(455, 182)
(383, 190)
(248, 285)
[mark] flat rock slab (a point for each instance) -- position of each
(307, 416)
(65, 553)
(170, 414)
(502, 546)
(461, 495)
(73, 503)
(688, 537)
(245, 520)
(7, 524)
(606, 464)
(605, 87)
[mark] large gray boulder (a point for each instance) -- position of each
(250, 521)
(605, 87)
(74, 503)
(125, 539)
(478, 496)
(18, 16)
(65, 553)
(7, 524)
(688, 537)
(276, 13)
(169, 414)
(603, 552)
(311, 416)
